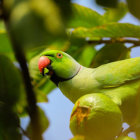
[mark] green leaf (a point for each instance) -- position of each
(65, 8)
(134, 7)
(21, 106)
(115, 14)
(79, 46)
(76, 46)
(114, 30)
(5, 46)
(31, 23)
(87, 55)
(107, 3)
(84, 17)
(46, 87)
(9, 124)
(33, 52)
(33, 68)
(2, 27)
(41, 96)
(110, 53)
(9, 88)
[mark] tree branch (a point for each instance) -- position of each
(31, 99)
(130, 129)
(127, 131)
(119, 40)
(24, 132)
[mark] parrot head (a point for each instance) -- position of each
(59, 65)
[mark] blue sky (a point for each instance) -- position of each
(59, 108)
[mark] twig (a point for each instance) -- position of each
(119, 40)
(128, 130)
(31, 99)
(24, 132)
(133, 46)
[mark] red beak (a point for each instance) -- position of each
(43, 63)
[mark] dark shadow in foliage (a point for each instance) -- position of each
(10, 83)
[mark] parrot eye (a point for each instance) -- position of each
(59, 55)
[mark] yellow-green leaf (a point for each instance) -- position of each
(84, 17)
(115, 14)
(113, 30)
(87, 55)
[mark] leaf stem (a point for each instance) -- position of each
(119, 40)
(24, 132)
(130, 129)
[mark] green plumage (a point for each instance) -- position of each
(119, 80)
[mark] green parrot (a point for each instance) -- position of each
(119, 80)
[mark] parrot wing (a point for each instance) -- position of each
(117, 73)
